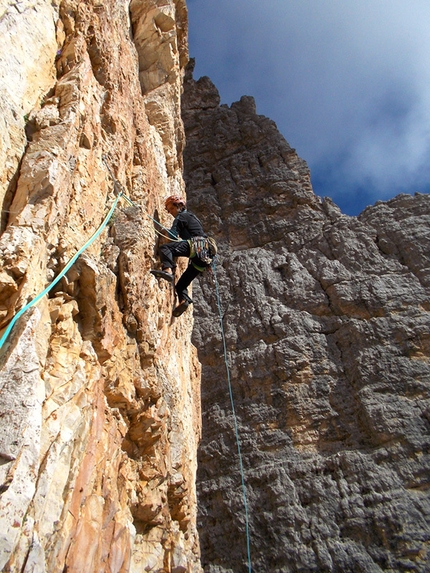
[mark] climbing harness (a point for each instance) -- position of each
(204, 248)
(64, 271)
(236, 427)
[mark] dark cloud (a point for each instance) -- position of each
(347, 82)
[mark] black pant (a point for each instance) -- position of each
(168, 252)
(187, 277)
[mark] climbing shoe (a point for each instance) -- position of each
(181, 308)
(162, 275)
(184, 296)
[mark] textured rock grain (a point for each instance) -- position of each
(328, 333)
(100, 416)
(28, 44)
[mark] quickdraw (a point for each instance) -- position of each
(204, 248)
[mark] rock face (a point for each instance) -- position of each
(326, 319)
(28, 45)
(327, 325)
(99, 405)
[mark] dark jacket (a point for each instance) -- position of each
(186, 225)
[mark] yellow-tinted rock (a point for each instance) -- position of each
(100, 414)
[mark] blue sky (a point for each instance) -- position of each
(346, 81)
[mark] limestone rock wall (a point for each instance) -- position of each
(99, 403)
(328, 334)
(28, 44)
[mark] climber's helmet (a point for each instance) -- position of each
(174, 200)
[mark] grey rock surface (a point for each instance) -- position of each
(327, 326)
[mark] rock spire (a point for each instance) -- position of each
(328, 334)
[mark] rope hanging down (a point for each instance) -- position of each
(236, 428)
(63, 272)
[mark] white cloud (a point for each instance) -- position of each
(347, 82)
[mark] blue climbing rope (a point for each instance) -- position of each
(236, 428)
(64, 271)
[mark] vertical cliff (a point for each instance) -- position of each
(99, 410)
(328, 333)
(326, 320)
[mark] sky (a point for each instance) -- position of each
(346, 81)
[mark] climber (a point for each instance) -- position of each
(194, 244)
